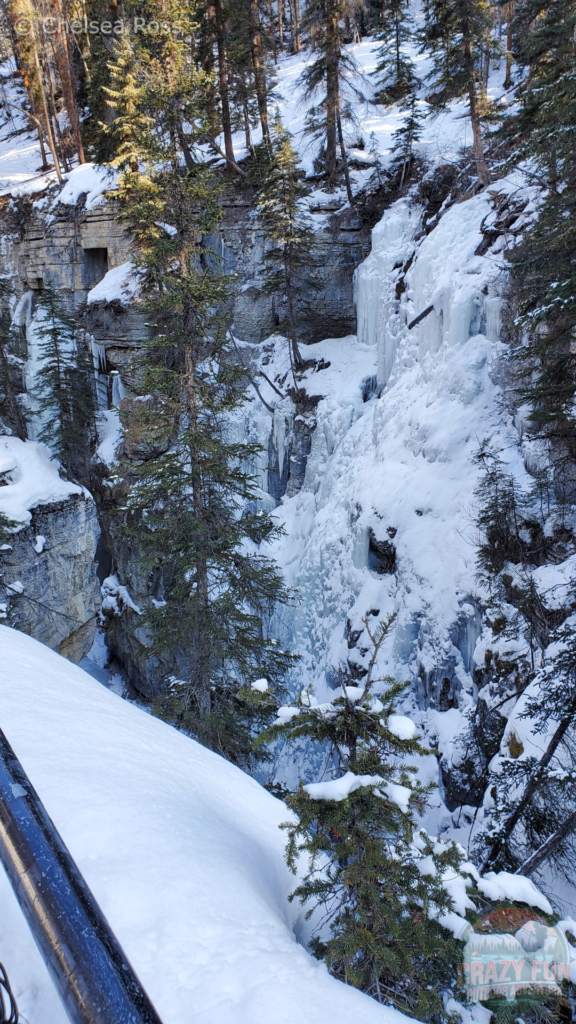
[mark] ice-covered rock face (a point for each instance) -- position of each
(397, 469)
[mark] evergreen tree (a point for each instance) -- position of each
(533, 815)
(543, 280)
(406, 136)
(64, 386)
(364, 848)
(531, 807)
(288, 261)
(459, 36)
(10, 407)
(192, 502)
(128, 136)
(395, 69)
(328, 75)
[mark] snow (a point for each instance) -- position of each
(354, 693)
(504, 886)
(121, 283)
(401, 726)
(340, 789)
(181, 850)
(115, 597)
(443, 136)
(285, 714)
(33, 481)
(261, 685)
(39, 545)
(92, 180)
(109, 434)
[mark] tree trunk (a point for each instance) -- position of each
(481, 165)
(49, 135)
(344, 160)
(547, 848)
(509, 16)
(295, 357)
(259, 70)
(188, 158)
(281, 23)
(531, 789)
(332, 99)
(26, 53)
(56, 129)
(272, 32)
(246, 117)
(60, 47)
(223, 84)
(296, 26)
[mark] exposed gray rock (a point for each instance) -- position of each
(60, 594)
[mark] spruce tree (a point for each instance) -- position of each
(192, 504)
(10, 407)
(406, 136)
(64, 386)
(543, 269)
(288, 260)
(459, 36)
(327, 76)
(128, 136)
(395, 69)
(360, 836)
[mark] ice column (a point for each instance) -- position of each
(375, 285)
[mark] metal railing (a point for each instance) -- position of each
(8, 1008)
(88, 967)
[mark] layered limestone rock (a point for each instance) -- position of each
(48, 583)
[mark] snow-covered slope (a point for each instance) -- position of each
(181, 849)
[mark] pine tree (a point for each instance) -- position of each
(395, 69)
(288, 261)
(363, 846)
(64, 387)
(192, 503)
(459, 36)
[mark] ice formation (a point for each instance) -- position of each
(401, 411)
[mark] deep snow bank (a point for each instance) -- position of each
(181, 849)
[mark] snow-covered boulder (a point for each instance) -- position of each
(181, 849)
